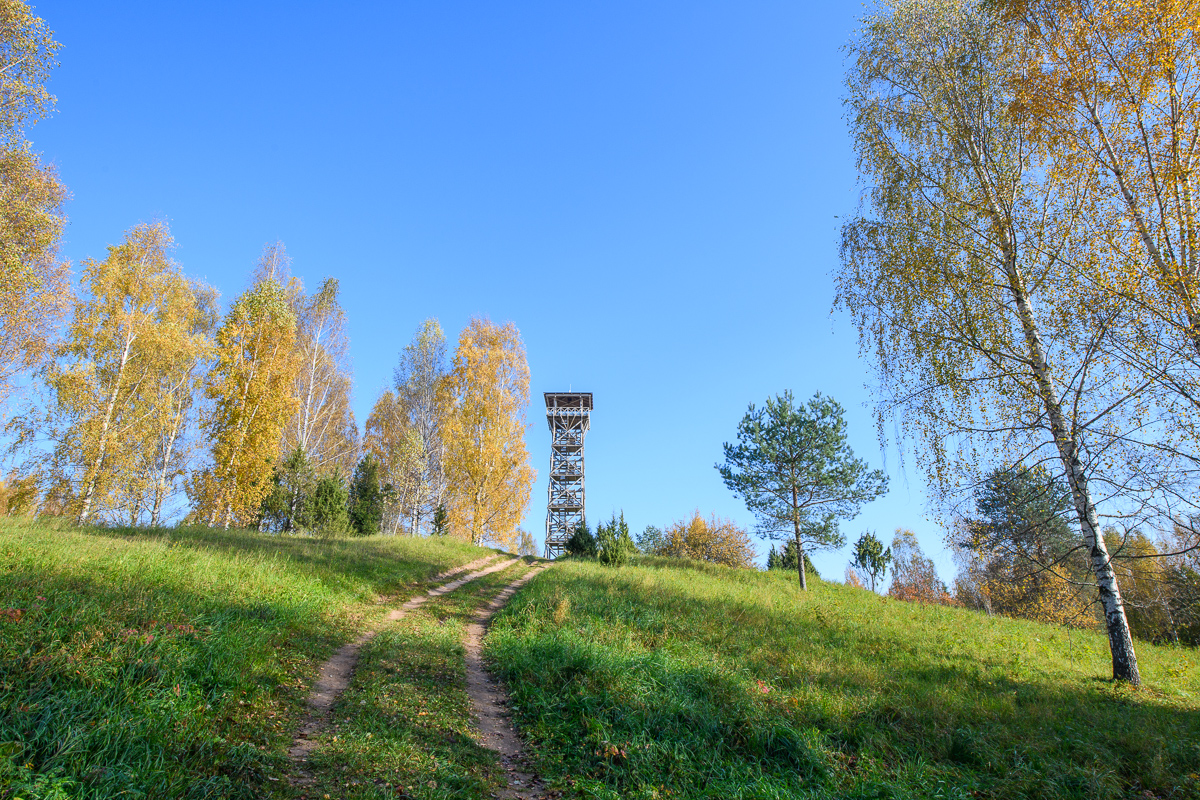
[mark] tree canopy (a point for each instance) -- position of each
(793, 466)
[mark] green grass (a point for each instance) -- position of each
(175, 663)
(668, 680)
(403, 728)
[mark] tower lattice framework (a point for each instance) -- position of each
(569, 416)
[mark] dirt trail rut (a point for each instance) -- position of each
(337, 671)
(489, 702)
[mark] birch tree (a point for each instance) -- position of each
(967, 281)
(119, 380)
(418, 379)
(34, 282)
(323, 427)
(250, 388)
(483, 399)
(166, 437)
(1114, 87)
(396, 446)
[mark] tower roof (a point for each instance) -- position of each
(578, 401)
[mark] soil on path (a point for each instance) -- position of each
(489, 703)
(337, 671)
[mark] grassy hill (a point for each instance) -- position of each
(174, 664)
(673, 680)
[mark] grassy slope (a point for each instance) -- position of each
(175, 663)
(663, 680)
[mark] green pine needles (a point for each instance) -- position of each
(796, 472)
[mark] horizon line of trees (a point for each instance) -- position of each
(150, 398)
(135, 393)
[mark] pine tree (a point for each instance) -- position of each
(366, 497)
(794, 468)
(582, 543)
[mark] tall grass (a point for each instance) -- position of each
(672, 680)
(175, 664)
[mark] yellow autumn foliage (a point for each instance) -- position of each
(487, 469)
(251, 389)
(715, 540)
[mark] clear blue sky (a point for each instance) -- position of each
(650, 191)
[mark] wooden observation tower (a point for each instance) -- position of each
(569, 416)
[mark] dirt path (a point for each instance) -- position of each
(489, 703)
(337, 671)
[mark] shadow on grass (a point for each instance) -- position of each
(638, 686)
(141, 689)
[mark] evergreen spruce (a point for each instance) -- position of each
(327, 512)
(366, 497)
(441, 521)
(582, 544)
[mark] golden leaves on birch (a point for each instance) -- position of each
(27, 51)
(1112, 88)
(34, 283)
(251, 389)
(396, 446)
(487, 467)
(122, 380)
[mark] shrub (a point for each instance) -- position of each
(716, 540)
(582, 544)
(614, 542)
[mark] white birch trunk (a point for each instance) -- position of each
(1120, 640)
(160, 489)
(102, 445)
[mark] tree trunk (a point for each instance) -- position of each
(1120, 640)
(161, 489)
(102, 445)
(796, 533)
(800, 563)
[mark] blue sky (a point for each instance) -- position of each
(650, 191)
